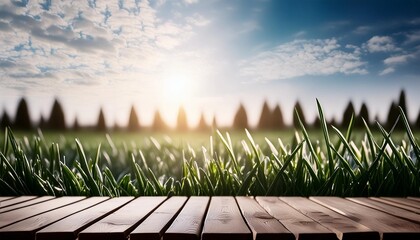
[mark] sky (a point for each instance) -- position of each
(207, 55)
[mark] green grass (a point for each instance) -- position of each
(324, 162)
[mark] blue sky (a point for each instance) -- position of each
(207, 55)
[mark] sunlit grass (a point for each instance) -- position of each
(326, 162)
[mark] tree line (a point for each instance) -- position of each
(270, 119)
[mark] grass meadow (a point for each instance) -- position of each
(328, 161)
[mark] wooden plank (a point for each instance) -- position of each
(414, 198)
(15, 201)
(404, 203)
(5, 198)
(389, 209)
(224, 221)
(345, 228)
(263, 225)
(26, 229)
(121, 222)
(388, 226)
(25, 204)
(187, 225)
(16, 215)
(69, 227)
(300, 225)
(155, 225)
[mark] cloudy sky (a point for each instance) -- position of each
(208, 55)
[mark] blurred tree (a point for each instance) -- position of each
(42, 122)
(393, 114)
(57, 120)
(266, 118)
(214, 123)
(181, 121)
(297, 108)
(277, 118)
(76, 125)
(363, 114)
(317, 123)
(158, 123)
(417, 123)
(402, 102)
(101, 124)
(5, 121)
(240, 121)
(22, 118)
(202, 124)
(348, 113)
(133, 120)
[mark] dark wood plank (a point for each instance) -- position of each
(16, 215)
(5, 198)
(26, 229)
(388, 226)
(155, 225)
(25, 204)
(69, 227)
(263, 225)
(300, 225)
(345, 228)
(15, 201)
(414, 198)
(404, 203)
(387, 208)
(224, 221)
(187, 225)
(121, 222)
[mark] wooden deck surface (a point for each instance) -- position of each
(194, 218)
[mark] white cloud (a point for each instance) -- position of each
(399, 59)
(412, 37)
(380, 44)
(300, 58)
(387, 70)
(190, 1)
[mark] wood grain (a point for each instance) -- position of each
(69, 227)
(15, 201)
(404, 203)
(263, 225)
(20, 214)
(387, 208)
(154, 225)
(414, 198)
(26, 229)
(121, 222)
(224, 221)
(300, 225)
(388, 226)
(25, 204)
(187, 225)
(345, 228)
(5, 198)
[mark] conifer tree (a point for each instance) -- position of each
(5, 121)
(417, 123)
(181, 121)
(57, 120)
(240, 121)
(202, 124)
(363, 114)
(266, 119)
(297, 108)
(348, 113)
(76, 125)
(133, 120)
(22, 118)
(402, 102)
(214, 123)
(158, 123)
(277, 118)
(393, 114)
(101, 124)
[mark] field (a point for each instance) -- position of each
(371, 162)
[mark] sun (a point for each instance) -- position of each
(177, 88)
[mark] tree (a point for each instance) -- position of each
(240, 121)
(133, 120)
(101, 124)
(57, 120)
(363, 114)
(181, 121)
(277, 118)
(202, 124)
(76, 125)
(42, 123)
(402, 103)
(298, 109)
(22, 119)
(158, 123)
(393, 114)
(214, 123)
(417, 123)
(266, 119)
(347, 115)
(5, 121)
